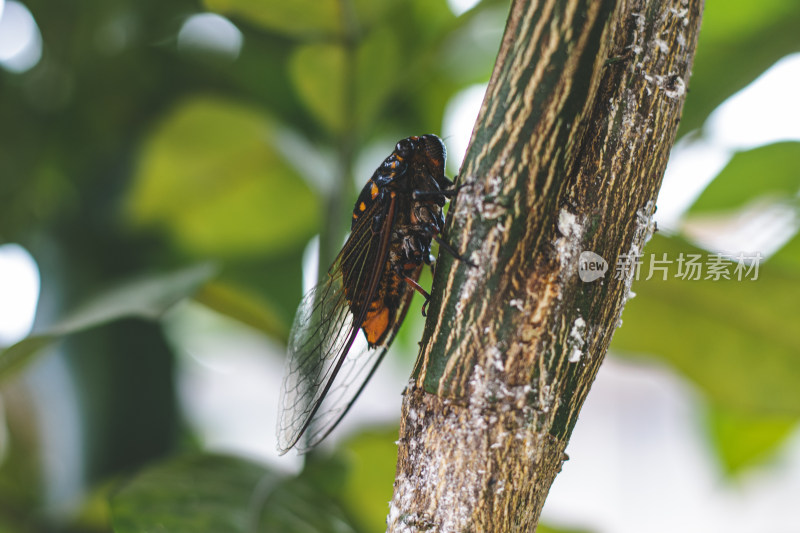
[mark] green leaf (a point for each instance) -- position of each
(236, 304)
(738, 41)
(274, 281)
(309, 502)
(770, 170)
(369, 13)
(190, 494)
(296, 18)
(146, 298)
(441, 54)
(371, 457)
(744, 439)
(737, 340)
(318, 73)
(11, 525)
(22, 482)
(212, 178)
(377, 60)
(788, 256)
(546, 528)
(409, 60)
(223, 494)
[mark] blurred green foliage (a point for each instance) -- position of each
(186, 158)
(713, 329)
(738, 41)
(767, 173)
(747, 438)
(192, 493)
(127, 155)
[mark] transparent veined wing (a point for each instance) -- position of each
(329, 361)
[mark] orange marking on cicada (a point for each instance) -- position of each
(376, 324)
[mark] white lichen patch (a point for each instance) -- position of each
(452, 450)
(640, 21)
(546, 399)
(676, 88)
(481, 198)
(495, 357)
(456, 446)
(631, 119)
(652, 54)
(568, 246)
(643, 232)
(489, 390)
(661, 45)
(672, 84)
(682, 14)
(568, 224)
(577, 340)
(645, 223)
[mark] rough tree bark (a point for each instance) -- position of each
(567, 156)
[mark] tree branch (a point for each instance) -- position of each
(567, 156)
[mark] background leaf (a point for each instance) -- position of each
(367, 491)
(148, 298)
(737, 340)
(377, 60)
(318, 72)
(309, 502)
(297, 18)
(769, 171)
(738, 41)
(194, 493)
(212, 160)
(788, 256)
(547, 528)
(743, 439)
(234, 303)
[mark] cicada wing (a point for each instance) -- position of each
(321, 336)
(356, 370)
(328, 359)
(329, 365)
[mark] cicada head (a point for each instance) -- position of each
(434, 148)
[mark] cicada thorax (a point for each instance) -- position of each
(401, 209)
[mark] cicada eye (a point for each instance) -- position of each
(404, 147)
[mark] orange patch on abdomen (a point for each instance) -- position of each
(376, 324)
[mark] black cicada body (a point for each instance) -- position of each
(344, 326)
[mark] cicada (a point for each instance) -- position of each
(344, 326)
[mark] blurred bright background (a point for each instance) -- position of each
(165, 170)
